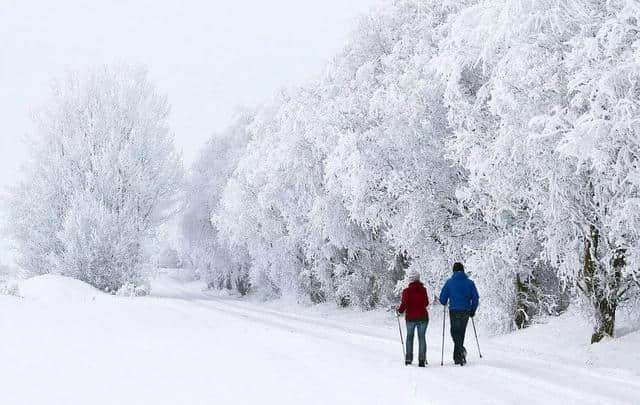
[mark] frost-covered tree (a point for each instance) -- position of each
(593, 207)
(525, 92)
(102, 175)
(270, 205)
(502, 66)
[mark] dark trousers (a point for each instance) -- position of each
(422, 340)
(459, 320)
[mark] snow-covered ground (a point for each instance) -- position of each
(66, 343)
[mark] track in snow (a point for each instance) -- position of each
(502, 376)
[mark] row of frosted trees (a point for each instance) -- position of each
(502, 133)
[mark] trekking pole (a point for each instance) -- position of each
(444, 315)
(474, 332)
(404, 355)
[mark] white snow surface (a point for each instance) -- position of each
(66, 343)
(53, 288)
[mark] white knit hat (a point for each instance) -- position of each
(413, 275)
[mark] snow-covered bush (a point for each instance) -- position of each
(102, 175)
(9, 287)
(132, 290)
(8, 281)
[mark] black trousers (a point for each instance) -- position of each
(459, 320)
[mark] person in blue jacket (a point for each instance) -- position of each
(461, 294)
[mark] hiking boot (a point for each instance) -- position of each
(421, 364)
(407, 363)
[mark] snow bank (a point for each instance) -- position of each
(55, 288)
(566, 339)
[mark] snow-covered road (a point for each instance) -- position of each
(189, 348)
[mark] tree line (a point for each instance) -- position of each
(500, 133)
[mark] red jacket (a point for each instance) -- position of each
(414, 302)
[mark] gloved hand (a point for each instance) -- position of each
(472, 313)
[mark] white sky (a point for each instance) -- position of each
(208, 56)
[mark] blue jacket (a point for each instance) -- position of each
(460, 292)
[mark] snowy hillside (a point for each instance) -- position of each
(65, 343)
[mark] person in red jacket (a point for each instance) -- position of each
(414, 306)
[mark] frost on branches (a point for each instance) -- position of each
(102, 175)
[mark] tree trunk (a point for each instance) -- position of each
(243, 282)
(401, 264)
(601, 285)
(605, 320)
(523, 299)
